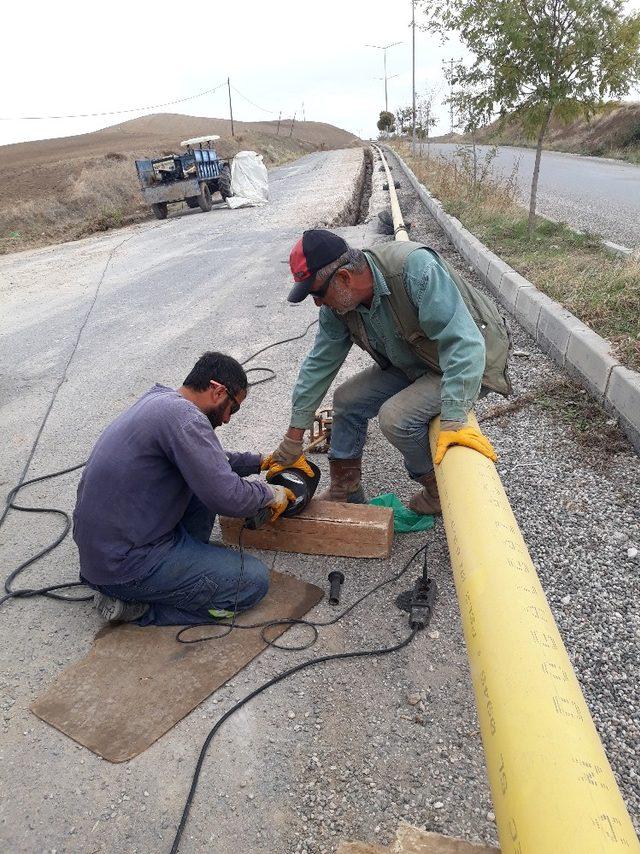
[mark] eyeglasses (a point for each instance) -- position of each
(322, 291)
(235, 406)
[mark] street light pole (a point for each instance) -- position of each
(385, 48)
(413, 76)
(385, 78)
(386, 97)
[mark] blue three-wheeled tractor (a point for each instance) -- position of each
(191, 177)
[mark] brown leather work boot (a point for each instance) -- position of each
(427, 501)
(346, 477)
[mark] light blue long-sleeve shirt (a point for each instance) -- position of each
(443, 317)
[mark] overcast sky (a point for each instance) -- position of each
(76, 57)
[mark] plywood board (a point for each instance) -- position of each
(136, 683)
(323, 528)
(413, 840)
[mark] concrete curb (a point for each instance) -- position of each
(583, 353)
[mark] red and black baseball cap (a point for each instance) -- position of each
(317, 248)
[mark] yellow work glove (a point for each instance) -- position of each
(280, 501)
(285, 455)
(470, 437)
(301, 463)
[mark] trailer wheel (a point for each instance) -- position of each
(224, 182)
(204, 199)
(192, 201)
(160, 210)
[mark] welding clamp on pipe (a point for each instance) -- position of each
(295, 487)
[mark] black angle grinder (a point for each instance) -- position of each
(299, 482)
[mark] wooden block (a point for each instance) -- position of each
(323, 528)
(362, 848)
(413, 840)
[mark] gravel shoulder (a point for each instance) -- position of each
(346, 750)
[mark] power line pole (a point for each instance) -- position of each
(279, 117)
(413, 76)
(385, 48)
(230, 107)
(293, 121)
(304, 118)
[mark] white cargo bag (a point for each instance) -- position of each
(249, 181)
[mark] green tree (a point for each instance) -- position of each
(386, 122)
(536, 59)
(404, 119)
(425, 114)
(472, 110)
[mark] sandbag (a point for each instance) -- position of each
(249, 181)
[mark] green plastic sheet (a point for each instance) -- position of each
(404, 520)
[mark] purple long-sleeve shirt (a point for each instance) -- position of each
(140, 477)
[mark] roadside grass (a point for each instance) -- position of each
(632, 154)
(600, 288)
(103, 195)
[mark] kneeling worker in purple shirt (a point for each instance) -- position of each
(148, 498)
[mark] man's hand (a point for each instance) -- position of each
(280, 501)
(301, 463)
(284, 456)
(457, 433)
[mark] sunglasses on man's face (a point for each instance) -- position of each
(235, 406)
(322, 290)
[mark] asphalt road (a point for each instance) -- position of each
(589, 193)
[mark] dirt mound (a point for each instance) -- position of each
(62, 189)
(614, 131)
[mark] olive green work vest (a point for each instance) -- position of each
(390, 259)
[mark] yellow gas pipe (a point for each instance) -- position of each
(552, 786)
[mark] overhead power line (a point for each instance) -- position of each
(114, 112)
(253, 104)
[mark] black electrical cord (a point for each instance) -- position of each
(264, 627)
(41, 591)
(268, 347)
(298, 667)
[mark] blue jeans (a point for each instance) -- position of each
(194, 577)
(404, 409)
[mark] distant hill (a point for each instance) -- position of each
(613, 132)
(62, 189)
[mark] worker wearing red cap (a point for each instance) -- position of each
(435, 342)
